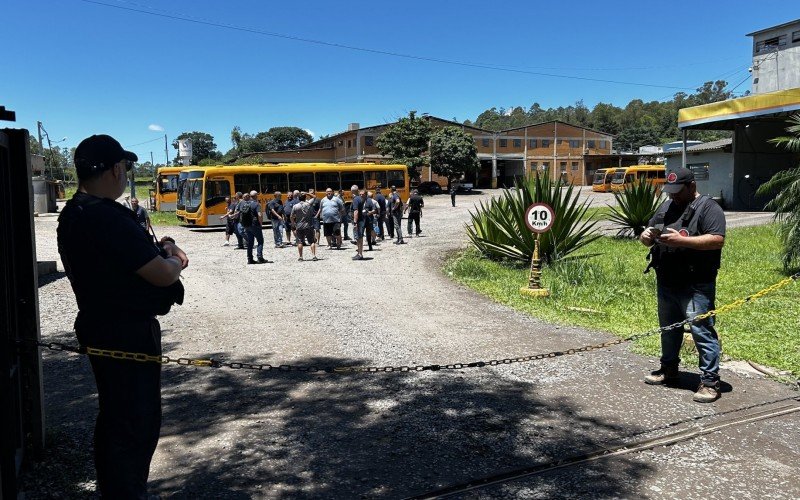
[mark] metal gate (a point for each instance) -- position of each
(21, 407)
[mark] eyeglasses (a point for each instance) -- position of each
(128, 165)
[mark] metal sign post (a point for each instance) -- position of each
(539, 218)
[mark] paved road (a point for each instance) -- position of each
(238, 434)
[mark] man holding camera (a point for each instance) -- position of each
(122, 279)
(686, 236)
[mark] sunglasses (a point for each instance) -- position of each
(128, 165)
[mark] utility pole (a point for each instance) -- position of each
(39, 130)
(166, 152)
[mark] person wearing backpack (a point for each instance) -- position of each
(250, 220)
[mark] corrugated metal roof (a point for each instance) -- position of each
(706, 146)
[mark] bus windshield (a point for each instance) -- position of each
(194, 194)
(600, 177)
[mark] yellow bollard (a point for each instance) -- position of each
(534, 288)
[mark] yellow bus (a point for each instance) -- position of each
(654, 174)
(206, 188)
(602, 180)
(166, 189)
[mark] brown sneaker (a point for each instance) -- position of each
(706, 393)
(664, 375)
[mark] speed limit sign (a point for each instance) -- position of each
(539, 217)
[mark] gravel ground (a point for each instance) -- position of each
(241, 434)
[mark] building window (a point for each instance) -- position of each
(771, 43)
(574, 165)
(545, 165)
(503, 143)
(368, 140)
(517, 143)
(545, 143)
(563, 166)
(534, 165)
(341, 142)
(349, 143)
(602, 144)
(532, 143)
(485, 142)
(795, 36)
(590, 144)
(700, 171)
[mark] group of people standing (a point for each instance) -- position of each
(302, 216)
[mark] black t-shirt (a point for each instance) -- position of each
(315, 203)
(102, 247)
(275, 204)
(395, 204)
(683, 265)
(141, 217)
(357, 206)
(415, 203)
(381, 202)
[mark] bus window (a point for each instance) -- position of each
(301, 181)
(396, 178)
(619, 177)
(600, 177)
(216, 191)
(244, 183)
(327, 180)
(375, 178)
(169, 184)
(273, 182)
(352, 178)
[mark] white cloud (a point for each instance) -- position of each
(156, 128)
(310, 132)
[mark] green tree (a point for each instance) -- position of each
(203, 146)
(407, 142)
(785, 186)
(284, 138)
(453, 153)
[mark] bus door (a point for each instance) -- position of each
(216, 189)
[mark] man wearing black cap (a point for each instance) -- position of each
(121, 279)
(686, 236)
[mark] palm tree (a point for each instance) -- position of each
(785, 186)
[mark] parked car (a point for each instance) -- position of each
(464, 187)
(429, 187)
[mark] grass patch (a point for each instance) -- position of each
(612, 284)
(597, 213)
(164, 219)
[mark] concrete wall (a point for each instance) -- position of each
(720, 173)
(776, 67)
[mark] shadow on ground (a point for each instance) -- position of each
(234, 434)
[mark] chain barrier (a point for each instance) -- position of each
(215, 363)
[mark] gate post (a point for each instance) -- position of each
(21, 396)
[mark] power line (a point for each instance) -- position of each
(145, 142)
(180, 17)
(737, 85)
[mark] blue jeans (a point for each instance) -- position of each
(685, 302)
(254, 232)
(277, 231)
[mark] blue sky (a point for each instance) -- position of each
(84, 68)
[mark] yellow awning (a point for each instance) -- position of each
(782, 101)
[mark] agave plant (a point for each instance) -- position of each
(498, 228)
(785, 186)
(635, 207)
